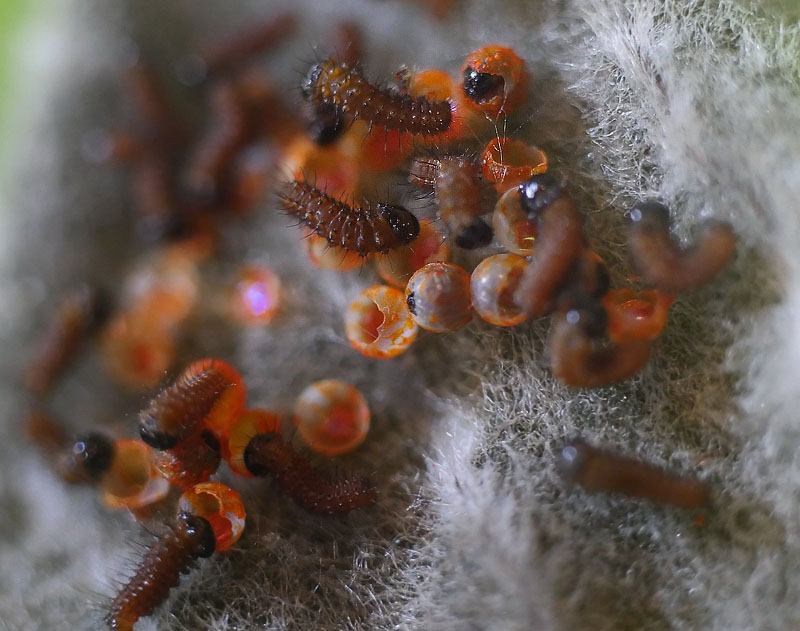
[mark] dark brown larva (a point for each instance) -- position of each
(667, 266)
(157, 121)
(77, 313)
(226, 135)
(239, 49)
(189, 539)
(334, 83)
(580, 357)
(267, 454)
(600, 471)
(559, 242)
(177, 411)
(361, 229)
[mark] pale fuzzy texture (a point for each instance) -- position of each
(695, 103)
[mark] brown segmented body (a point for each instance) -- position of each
(667, 266)
(190, 538)
(600, 471)
(267, 454)
(581, 360)
(178, 410)
(559, 241)
(362, 229)
(334, 83)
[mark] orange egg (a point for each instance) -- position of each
(511, 226)
(438, 297)
(507, 163)
(132, 481)
(332, 417)
(494, 80)
(377, 323)
(635, 315)
(256, 297)
(221, 506)
(493, 284)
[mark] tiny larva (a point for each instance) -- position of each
(363, 229)
(331, 82)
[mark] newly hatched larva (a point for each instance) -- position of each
(667, 266)
(581, 357)
(455, 185)
(208, 393)
(331, 82)
(560, 238)
(267, 454)
(362, 229)
(600, 471)
(77, 313)
(190, 538)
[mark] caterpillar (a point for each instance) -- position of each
(362, 229)
(667, 266)
(180, 409)
(172, 555)
(331, 82)
(267, 454)
(598, 470)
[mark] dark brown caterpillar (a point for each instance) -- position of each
(455, 185)
(600, 471)
(361, 229)
(177, 411)
(267, 454)
(189, 539)
(238, 50)
(558, 244)
(77, 313)
(334, 83)
(580, 357)
(667, 266)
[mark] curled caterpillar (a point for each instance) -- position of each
(580, 357)
(267, 454)
(362, 229)
(172, 555)
(180, 409)
(600, 471)
(666, 265)
(331, 82)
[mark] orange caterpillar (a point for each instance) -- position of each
(191, 538)
(267, 454)
(331, 82)
(361, 229)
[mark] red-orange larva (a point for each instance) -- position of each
(334, 83)
(192, 461)
(667, 266)
(207, 388)
(579, 356)
(362, 229)
(267, 454)
(190, 538)
(600, 471)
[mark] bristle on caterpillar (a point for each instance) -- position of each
(172, 555)
(331, 82)
(178, 410)
(267, 454)
(363, 229)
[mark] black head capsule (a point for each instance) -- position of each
(90, 457)
(538, 192)
(324, 123)
(405, 224)
(411, 304)
(482, 86)
(476, 235)
(650, 214)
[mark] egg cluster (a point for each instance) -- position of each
(514, 230)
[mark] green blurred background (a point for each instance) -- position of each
(14, 14)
